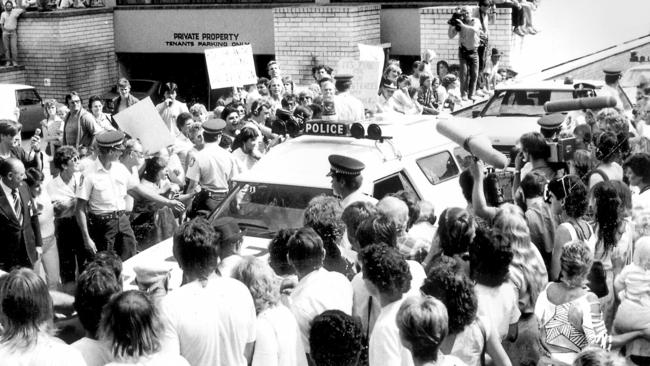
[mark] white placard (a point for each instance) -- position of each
(230, 66)
(367, 76)
(371, 53)
(142, 121)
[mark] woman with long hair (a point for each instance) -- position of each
(608, 151)
(278, 339)
(614, 240)
(26, 336)
(568, 198)
(132, 328)
(456, 229)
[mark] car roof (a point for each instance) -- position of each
(15, 86)
(303, 160)
(547, 85)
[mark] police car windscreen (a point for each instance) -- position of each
(523, 102)
(263, 209)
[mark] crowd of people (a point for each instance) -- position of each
(565, 264)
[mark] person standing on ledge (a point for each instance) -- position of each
(9, 23)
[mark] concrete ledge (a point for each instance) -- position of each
(330, 8)
(13, 75)
(7, 69)
(65, 13)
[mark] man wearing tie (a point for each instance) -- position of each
(19, 230)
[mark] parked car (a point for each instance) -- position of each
(515, 108)
(632, 77)
(24, 99)
(140, 88)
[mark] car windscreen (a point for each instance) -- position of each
(522, 102)
(263, 209)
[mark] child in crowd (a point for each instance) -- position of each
(633, 288)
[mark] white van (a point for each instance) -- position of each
(25, 98)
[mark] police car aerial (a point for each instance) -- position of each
(399, 153)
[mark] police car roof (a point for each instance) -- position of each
(548, 85)
(302, 161)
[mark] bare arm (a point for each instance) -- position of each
(562, 236)
(481, 209)
(494, 348)
(140, 191)
(248, 352)
(80, 215)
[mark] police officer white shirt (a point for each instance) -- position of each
(212, 167)
(106, 189)
(357, 196)
(609, 91)
(348, 107)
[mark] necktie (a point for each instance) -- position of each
(18, 207)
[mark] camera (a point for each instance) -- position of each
(456, 17)
(561, 148)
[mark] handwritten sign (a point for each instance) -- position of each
(142, 121)
(371, 53)
(230, 66)
(367, 76)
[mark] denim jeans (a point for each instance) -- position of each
(10, 41)
(468, 64)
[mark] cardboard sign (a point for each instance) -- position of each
(371, 53)
(142, 121)
(367, 76)
(230, 66)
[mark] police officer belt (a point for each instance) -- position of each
(213, 194)
(107, 215)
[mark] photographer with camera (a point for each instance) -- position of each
(170, 108)
(469, 31)
(533, 157)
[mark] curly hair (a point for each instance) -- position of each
(278, 250)
(455, 290)
(455, 230)
(385, 268)
(262, 283)
(422, 322)
(376, 230)
(607, 147)
(573, 191)
(609, 213)
(323, 214)
(63, 155)
(490, 259)
(576, 261)
(336, 339)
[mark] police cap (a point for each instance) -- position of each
(112, 139)
(388, 84)
(612, 71)
(343, 77)
(345, 165)
(148, 273)
(583, 86)
(551, 121)
(214, 125)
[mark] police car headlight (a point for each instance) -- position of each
(357, 131)
(374, 132)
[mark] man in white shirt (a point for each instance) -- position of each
(388, 277)
(210, 320)
(318, 289)
(170, 108)
(348, 107)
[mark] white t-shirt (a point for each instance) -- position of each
(95, 353)
(209, 325)
(278, 339)
(48, 351)
(157, 359)
(361, 296)
(499, 304)
(385, 347)
(319, 291)
(46, 215)
(106, 189)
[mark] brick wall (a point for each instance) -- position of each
(74, 49)
(306, 36)
(434, 27)
(12, 75)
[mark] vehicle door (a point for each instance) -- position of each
(31, 108)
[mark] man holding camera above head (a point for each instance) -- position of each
(469, 30)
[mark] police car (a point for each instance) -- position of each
(400, 153)
(515, 108)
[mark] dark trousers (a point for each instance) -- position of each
(73, 255)
(204, 203)
(113, 234)
(482, 54)
(15, 256)
(468, 67)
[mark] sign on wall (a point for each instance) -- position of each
(230, 66)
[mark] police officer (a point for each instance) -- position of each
(611, 88)
(101, 206)
(347, 179)
(348, 107)
(212, 169)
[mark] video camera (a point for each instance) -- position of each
(456, 17)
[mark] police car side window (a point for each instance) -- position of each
(438, 167)
(391, 184)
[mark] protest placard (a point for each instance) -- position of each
(367, 76)
(230, 66)
(371, 53)
(142, 121)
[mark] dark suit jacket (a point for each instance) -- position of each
(18, 242)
